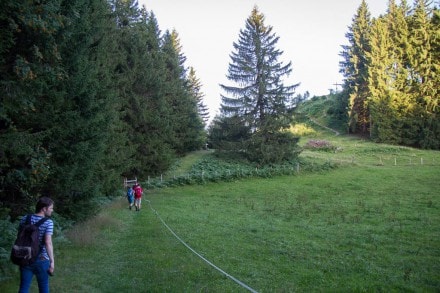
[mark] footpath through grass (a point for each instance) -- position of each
(354, 229)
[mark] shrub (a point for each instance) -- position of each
(272, 148)
(8, 231)
(320, 145)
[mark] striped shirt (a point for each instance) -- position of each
(45, 229)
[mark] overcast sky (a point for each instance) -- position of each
(311, 34)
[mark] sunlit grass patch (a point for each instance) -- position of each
(183, 166)
(302, 129)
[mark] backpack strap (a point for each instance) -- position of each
(41, 221)
(38, 224)
(28, 219)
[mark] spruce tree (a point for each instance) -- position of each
(354, 68)
(382, 100)
(143, 73)
(259, 100)
(56, 131)
(399, 52)
(424, 76)
(195, 88)
(399, 36)
(31, 71)
(435, 47)
(85, 119)
(185, 121)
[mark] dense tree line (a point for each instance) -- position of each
(392, 74)
(90, 91)
(257, 106)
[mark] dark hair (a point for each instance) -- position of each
(43, 202)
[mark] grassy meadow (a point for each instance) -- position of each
(370, 225)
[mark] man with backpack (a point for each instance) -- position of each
(137, 196)
(42, 262)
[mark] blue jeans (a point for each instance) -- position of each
(39, 269)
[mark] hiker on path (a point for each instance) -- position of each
(138, 191)
(45, 263)
(130, 197)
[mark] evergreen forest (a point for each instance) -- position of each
(91, 91)
(391, 69)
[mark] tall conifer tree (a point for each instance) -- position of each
(424, 76)
(259, 100)
(195, 88)
(31, 70)
(402, 63)
(260, 96)
(186, 124)
(57, 72)
(354, 67)
(85, 120)
(144, 89)
(382, 98)
(257, 108)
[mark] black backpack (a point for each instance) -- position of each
(27, 245)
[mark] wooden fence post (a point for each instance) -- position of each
(129, 181)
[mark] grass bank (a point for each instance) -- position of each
(353, 229)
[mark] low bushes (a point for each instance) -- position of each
(211, 169)
(320, 145)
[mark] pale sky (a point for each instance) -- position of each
(311, 33)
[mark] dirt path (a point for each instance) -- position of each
(323, 126)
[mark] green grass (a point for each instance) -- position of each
(351, 150)
(371, 225)
(314, 233)
(354, 229)
(184, 165)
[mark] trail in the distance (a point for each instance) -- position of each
(323, 126)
